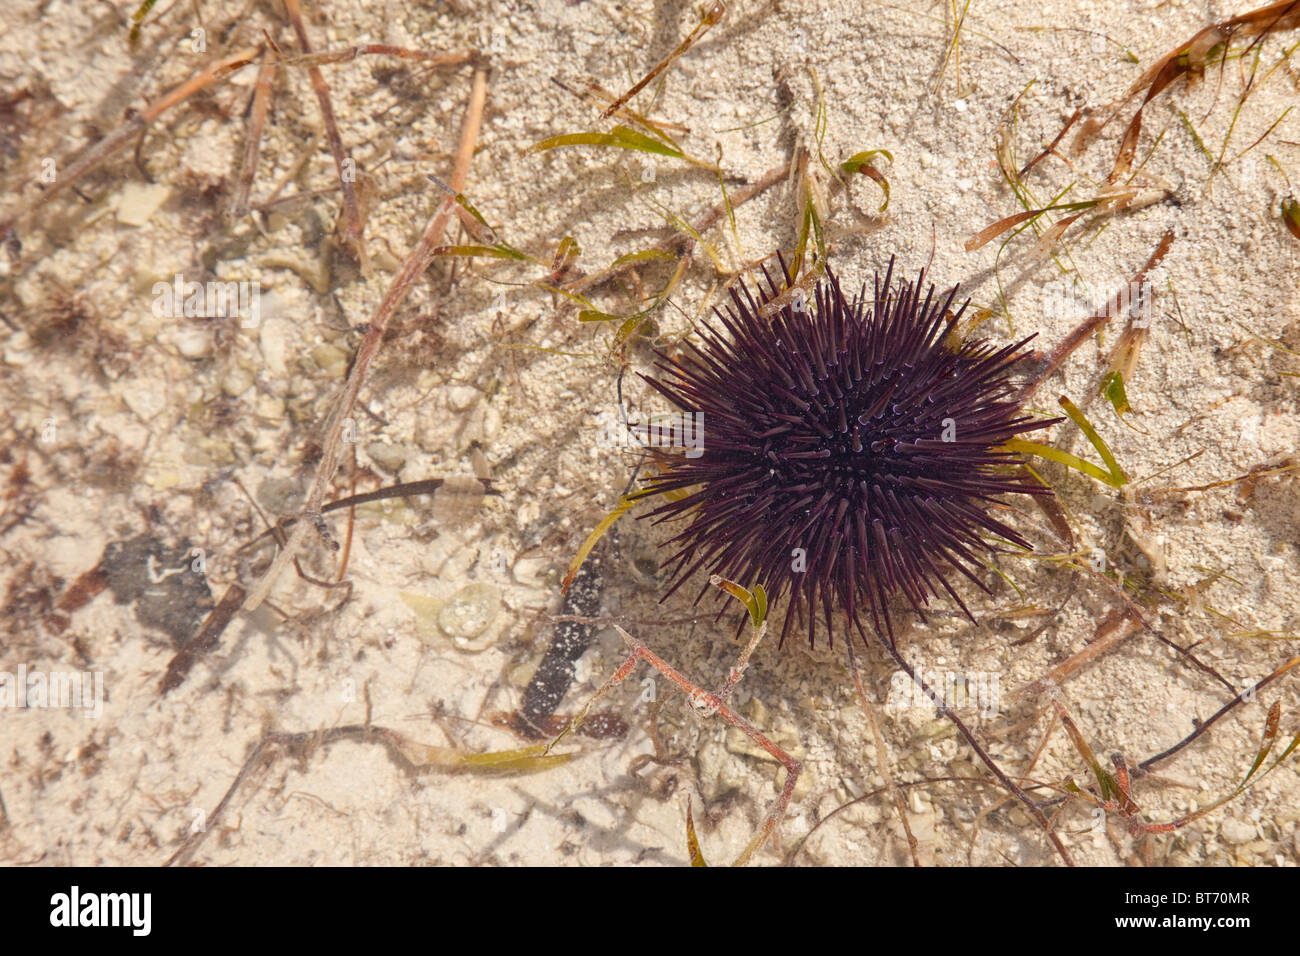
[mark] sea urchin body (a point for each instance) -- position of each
(851, 450)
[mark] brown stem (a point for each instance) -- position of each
(686, 244)
(1222, 711)
(988, 761)
(138, 121)
(352, 227)
(411, 270)
(1094, 322)
(712, 16)
(382, 49)
(882, 758)
(256, 121)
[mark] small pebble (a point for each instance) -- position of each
(192, 342)
(330, 359)
(533, 572)
(468, 615)
(137, 202)
(271, 337)
(237, 381)
(462, 397)
(391, 458)
(1236, 832)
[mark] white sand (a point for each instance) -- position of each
(148, 440)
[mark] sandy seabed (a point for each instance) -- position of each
(136, 436)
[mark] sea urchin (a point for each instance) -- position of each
(851, 449)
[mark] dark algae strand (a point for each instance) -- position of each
(571, 639)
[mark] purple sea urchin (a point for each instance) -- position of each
(851, 450)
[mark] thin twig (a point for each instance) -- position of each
(266, 752)
(1051, 147)
(871, 795)
(412, 269)
(381, 49)
(682, 243)
(882, 758)
(706, 705)
(980, 752)
(714, 14)
(1201, 728)
(1096, 321)
(214, 625)
(1119, 625)
(252, 147)
(141, 119)
(352, 225)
